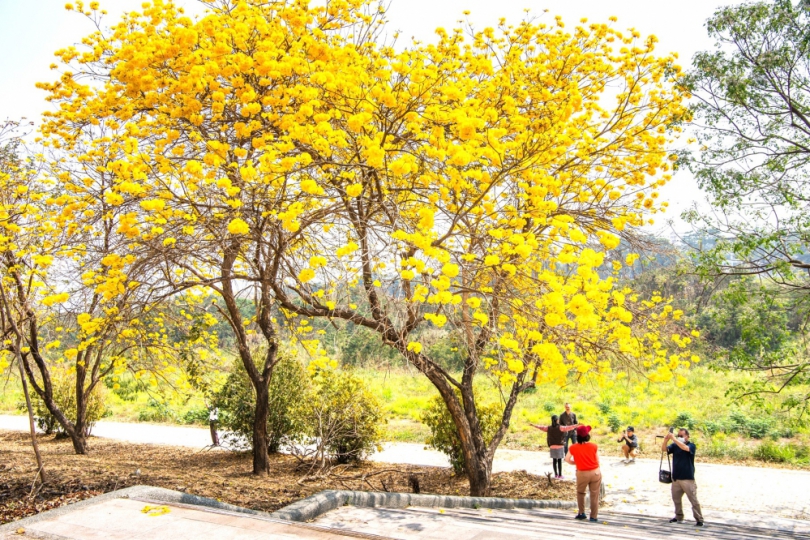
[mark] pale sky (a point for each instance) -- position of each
(31, 30)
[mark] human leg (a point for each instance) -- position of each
(626, 451)
(677, 498)
(594, 485)
(690, 488)
(582, 485)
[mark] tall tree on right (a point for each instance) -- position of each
(752, 113)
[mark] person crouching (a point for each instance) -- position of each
(630, 448)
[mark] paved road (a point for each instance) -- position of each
(725, 491)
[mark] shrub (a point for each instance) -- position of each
(156, 411)
(614, 422)
(604, 407)
(775, 453)
(237, 398)
(549, 406)
(341, 417)
(757, 428)
(684, 420)
(444, 435)
(197, 415)
(64, 394)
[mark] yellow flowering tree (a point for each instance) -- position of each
(80, 302)
(473, 185)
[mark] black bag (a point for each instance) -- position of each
(665, 477)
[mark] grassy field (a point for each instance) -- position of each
(724, 429)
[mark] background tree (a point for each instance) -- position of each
(752, 115)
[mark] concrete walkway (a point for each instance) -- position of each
(478, 524)
(125, 519)
(734, 493)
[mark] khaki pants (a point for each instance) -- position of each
(629, 452)
(679, 487)
(589, 481)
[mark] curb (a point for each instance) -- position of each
(311, 507)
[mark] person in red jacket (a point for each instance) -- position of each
(584, 455)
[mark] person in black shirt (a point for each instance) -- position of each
(568, 419)
(683, 474)
(630, 448)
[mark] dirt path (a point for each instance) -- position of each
(726, 491)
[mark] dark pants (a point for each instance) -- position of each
(570, 435)
(214, 435)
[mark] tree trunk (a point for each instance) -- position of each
(261, 463)
(477, 461)
(33, 430)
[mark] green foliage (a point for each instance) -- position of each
(775, 453)
(604, 407)
(363, 347)
(444, 435)
(550, 406)
(614, 422)
(195, 415)
(684, 420)
(236, 402)
(156, 411)
(751, 94)
(342, 417)
(64, 394)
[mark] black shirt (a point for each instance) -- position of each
(683, 462)
(632, 440)
(568, 419)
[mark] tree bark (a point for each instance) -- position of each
(261, 463)
(31, 426)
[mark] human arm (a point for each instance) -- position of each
(569, 428)
(679, 444)
(541, 428)
(569, 458)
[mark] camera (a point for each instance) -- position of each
(671, 430)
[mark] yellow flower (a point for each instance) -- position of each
(238, 226)
(354, 190)
(450, 270)
(307, 274)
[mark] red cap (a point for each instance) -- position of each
(583, 431)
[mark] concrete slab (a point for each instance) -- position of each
(518, 524)
(123, 517)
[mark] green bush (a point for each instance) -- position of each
(604, 407)
(758, 428)
(444, 435)
(775, 453)
(684, 420)
(237, 398)
(614, 422)
(342, 419)
(197, 415)
(156, 411)
(64, 394)
(549, 406)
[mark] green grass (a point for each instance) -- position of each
(647, 406)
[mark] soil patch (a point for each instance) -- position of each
(218, 474)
